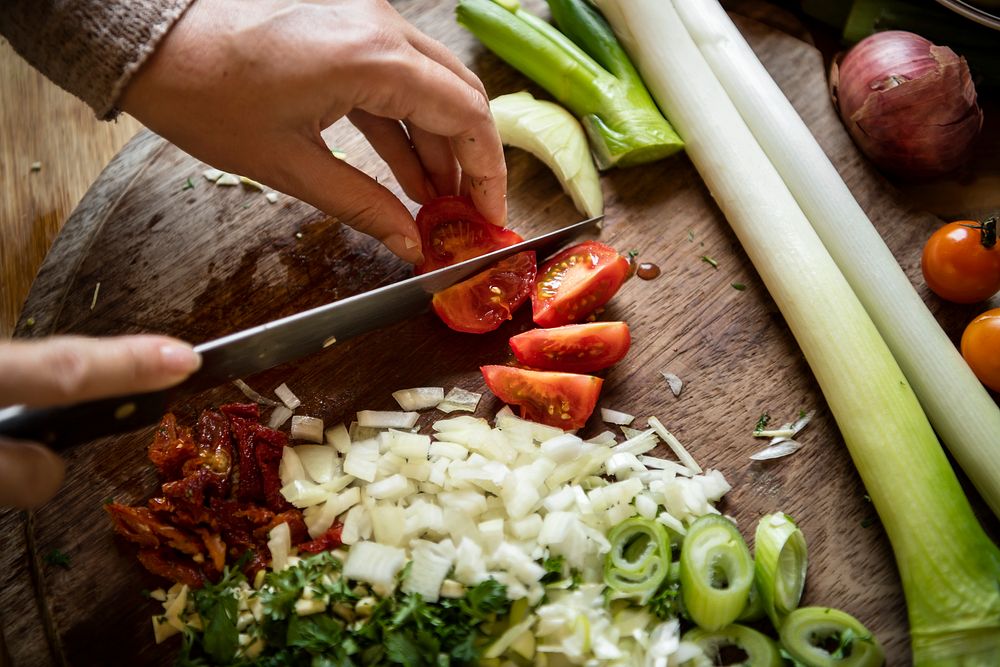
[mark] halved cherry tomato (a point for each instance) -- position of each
(981, 348)
(564, 400)
(488, 299)
(576, 282)
(961, 261)
(574, 348)
(452, 231)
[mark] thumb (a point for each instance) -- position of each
(70, 369)
(354, 198)
(29, 474)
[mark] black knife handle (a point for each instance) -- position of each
(62, 427)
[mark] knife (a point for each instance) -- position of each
(259, 348)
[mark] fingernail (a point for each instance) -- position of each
(404, 247)
(180, 359)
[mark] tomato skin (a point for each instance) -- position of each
(958, 265)
(483, 302)
(563, 400)
(452, 231)
(981, 348)
(576, 282)
(573, 348)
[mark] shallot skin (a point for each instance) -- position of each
(908, 104)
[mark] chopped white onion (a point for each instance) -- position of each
(253, 395)
(675, 445)
(459, 400)
(615, 417)
(419, 398)
(783, 448)
(673, 382)
(339, 438)
(374, 563)
(279, 543)
(279, 416)
(213, 174)
(228, 179)
(309, 429)
(318, 461)
(387, 419)
(287, 397)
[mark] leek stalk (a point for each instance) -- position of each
(589, 74)
(960, 409)
(780, 562)
(761, 650)
(639, 559)
(716, 572)
(949, 568)
(808, 632)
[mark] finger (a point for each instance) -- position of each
(29, 474)
(437, 158)
(71, 369)
(449, 107)
(391, 142)
(340, 190)
(437, 51)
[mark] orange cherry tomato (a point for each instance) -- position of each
(981, 348)
(961, 261)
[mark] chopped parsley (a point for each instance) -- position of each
(708, 260)
(762, 422)
(739, 287)
(58, 557)
(188, 184)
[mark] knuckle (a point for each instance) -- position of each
(69, 371)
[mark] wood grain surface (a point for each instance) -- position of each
(206, 261)
(41, 123)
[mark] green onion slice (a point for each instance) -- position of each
(754, 611)
(716, 572)
(823, 637)
(759, 649)
(780, 567)
(639, 559)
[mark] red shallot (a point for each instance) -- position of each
(909, 105)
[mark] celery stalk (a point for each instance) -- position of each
(949, 568)
(624, 126)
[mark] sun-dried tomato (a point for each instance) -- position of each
(137, 524)
(269, 445)
(328, 541)
(296, 526)
(166, 564)
(250, 488)
(172, 445)
(215, 548)
(249, 411)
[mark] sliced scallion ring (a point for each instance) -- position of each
(716, 572)
(639, 559)
(823, 637)
(780, 567)
(759, 649)
(754, 611)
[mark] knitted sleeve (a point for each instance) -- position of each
(89, 47)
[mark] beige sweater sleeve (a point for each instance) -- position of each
(89, 47)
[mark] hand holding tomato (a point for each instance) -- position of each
(981, 348)
(961, 261)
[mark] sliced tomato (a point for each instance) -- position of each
(564, 400)
(452, 231)
(488, 299)
(576, 282)
(574, 348)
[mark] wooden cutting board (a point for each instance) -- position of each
(198, 263)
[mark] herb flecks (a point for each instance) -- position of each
(58, 558)
(710, 261)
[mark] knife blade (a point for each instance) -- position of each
(265, 346)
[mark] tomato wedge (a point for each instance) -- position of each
(488, 299)
(574, 348)
(564, 400)
(452, 231)
(576, 282)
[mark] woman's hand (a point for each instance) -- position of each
(64, 370)
(248, 87)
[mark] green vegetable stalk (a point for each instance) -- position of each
(584, 68)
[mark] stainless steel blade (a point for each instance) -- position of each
(268, 345)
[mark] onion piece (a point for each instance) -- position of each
(675, 445)
(279, 416)
(387, 419)
(228, 179)
(419, 398)
(287, 397)
(674, 382)
(253, 395)
(616, 417)
(459, 399)
(213, 174)
(309, 429)
(339, 438)
(783, 448)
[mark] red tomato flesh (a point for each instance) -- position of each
(563, 400)
(488, 299)
(576, 282)
(574, 348)
(452, 231)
